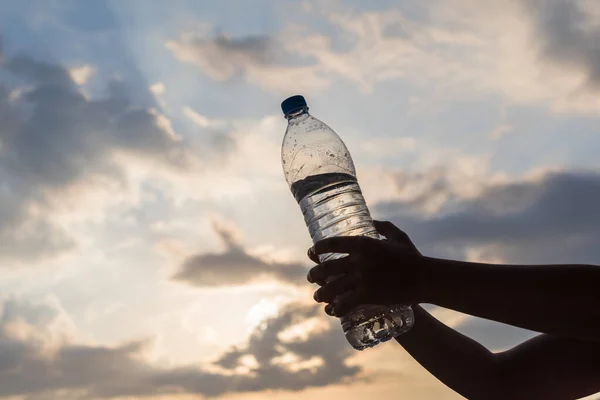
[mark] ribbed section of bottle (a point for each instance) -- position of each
(337, 210)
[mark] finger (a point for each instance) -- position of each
(311, 254)
(343, 244)
(329, 310)
(328, 293)
(347, 302)
(329, 268)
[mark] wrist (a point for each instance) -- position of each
(431, 280)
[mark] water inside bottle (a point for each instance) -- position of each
(333, 205)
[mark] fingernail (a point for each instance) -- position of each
(316, 297)
(311, 251)
(308, 278)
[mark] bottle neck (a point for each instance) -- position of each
(300, 114)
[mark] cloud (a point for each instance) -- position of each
(235, 266)
(570, 37)
(82, 74)
(266, 346)
(439, 180)
(222, 57)
(201, 120)
(551, 219)
(549, 56)
(427, 190)
(84, 371)
(260, 60)
(29, 366)
(373, 52)
(501, 131)
(220, 132)
(52, 137)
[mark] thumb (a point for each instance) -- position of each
(394, 234)
(390, 231)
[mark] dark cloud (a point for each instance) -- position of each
(31, 70)
(254, 47)
(85, 372)
(51, 137)
(26, 368)
(265, 346)
(569, 37)
(223, 58)
(235, 266)
(554, 220)
(267, 61)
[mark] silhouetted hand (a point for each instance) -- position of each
(375, 271)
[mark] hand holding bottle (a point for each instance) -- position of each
(379, 272)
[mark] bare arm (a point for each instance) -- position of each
(555, 299)
(459, 362)
(546, 366)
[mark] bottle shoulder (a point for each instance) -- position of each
(311, 147)
(308, 123)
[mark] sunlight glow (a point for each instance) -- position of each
(263, 310)
(293, 363)
(303, 330)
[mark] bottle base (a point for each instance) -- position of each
(370, 325)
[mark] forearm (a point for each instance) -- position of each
(547, 366)
(456, 360)
(555, 299)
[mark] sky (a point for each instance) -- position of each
(149, 244)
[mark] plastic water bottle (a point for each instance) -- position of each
(321, 174)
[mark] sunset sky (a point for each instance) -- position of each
(149, 244)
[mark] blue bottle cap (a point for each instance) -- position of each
(292, 104)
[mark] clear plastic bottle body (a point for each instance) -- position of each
(321, 174)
